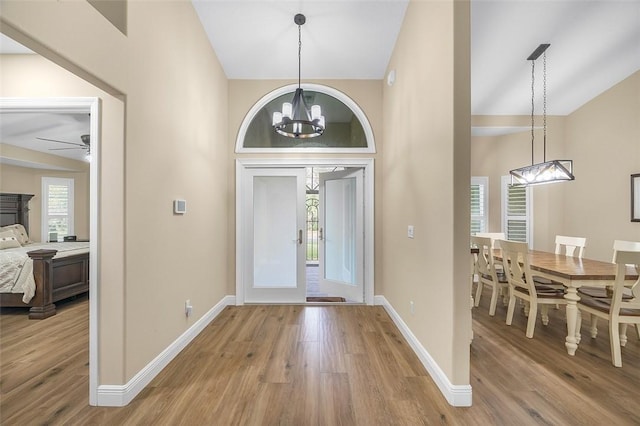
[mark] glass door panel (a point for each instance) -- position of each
(342, 244)
(274, 230)
(273, 238)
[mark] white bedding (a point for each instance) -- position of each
(16, 268)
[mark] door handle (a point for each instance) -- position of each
(320, 234)
(300, 236)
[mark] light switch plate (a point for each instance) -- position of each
(410, 231)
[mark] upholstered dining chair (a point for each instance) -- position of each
(618, 311)
(484, 268)
(521, 285)
(606, 293)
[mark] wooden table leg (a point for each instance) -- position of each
(572, 319)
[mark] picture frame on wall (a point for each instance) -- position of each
(635, 197)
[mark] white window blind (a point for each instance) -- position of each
(57, 208)
(516, 207)
(479, 204)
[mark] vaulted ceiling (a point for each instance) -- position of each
(594, 45)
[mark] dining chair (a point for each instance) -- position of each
(618, 311)
(484, 268)
(620, 245)
(606, 293)
(515, 261)
(568, 245)
(494, 237)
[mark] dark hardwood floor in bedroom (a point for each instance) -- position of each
(301, 365)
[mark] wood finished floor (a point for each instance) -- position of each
(296, 365)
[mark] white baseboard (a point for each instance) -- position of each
(121, 395)
(456, 395)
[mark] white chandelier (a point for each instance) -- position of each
(297, 120)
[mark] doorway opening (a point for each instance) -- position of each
(90, 106)
(331, 245)
(312, 203)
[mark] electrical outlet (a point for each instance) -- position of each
(188, 309)
(410, 231)
(412, 307)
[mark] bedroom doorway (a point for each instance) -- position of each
(91, 106)
(304, 229)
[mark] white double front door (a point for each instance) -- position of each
(274, 235)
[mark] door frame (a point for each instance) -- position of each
(91, 105)
(369, 202)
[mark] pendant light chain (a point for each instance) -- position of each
(533, 77)
(544, 105)
(297, 120)
(299, 52)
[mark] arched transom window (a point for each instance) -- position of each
(347, 128)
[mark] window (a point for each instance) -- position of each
(516, 212)
(479, 204)
(347, 128)
(57, 208)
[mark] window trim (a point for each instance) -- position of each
(46, 181)
(505, 181)
(484, 182)
(350, 103)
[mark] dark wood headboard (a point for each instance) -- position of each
(14, 208)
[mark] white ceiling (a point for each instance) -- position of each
(350, 39)
(594, 45)
(24, 128)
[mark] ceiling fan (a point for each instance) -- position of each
(86, 145)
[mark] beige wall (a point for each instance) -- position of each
(174, 145)
(24, 180)
(243, 94)
(426, 181)
(601, 138)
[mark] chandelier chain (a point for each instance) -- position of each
(299, 51)
(544, 104)
(533, 77)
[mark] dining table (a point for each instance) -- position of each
(573, 273)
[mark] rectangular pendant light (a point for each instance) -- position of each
(541, 173)
(548, 171)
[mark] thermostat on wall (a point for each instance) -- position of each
(179, 206)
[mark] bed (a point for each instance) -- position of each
(60, 270)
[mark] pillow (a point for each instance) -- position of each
(8, 240)
(19, 231)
